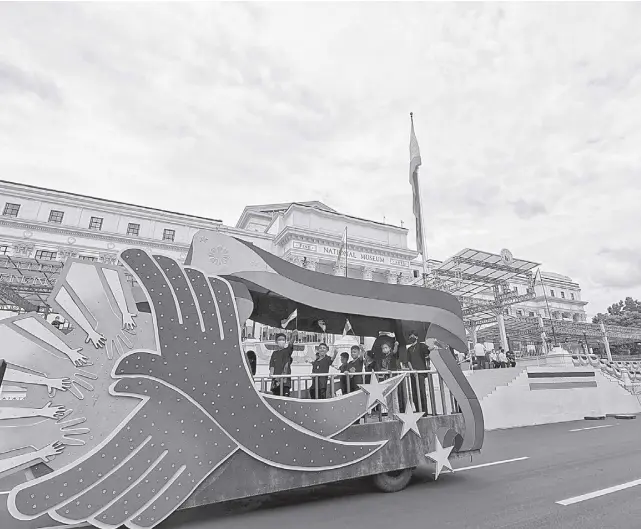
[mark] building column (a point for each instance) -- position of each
(474, 333)
(501, 321)
(544, 338)
(311, 264)
(606, 343)
(391, 277)
(367, 273)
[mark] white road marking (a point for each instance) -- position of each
(598, 493)
(592, 428)
(491, 464)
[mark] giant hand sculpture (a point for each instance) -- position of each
(198, 407)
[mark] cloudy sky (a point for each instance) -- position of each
(528, 117)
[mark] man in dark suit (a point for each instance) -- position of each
(418, 359)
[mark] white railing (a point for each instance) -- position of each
(418, 390)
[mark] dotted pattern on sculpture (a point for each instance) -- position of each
(208, 366)
(166, 434)
(324, 417)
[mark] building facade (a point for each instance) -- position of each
(556, 296)
(51, 225)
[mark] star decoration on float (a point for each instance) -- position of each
(375, 392)
(410, 422)
(441, 458)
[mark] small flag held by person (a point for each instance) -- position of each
(284, 323)
(348, 327)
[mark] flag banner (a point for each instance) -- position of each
(415, 163)
(343, 247)
(559, 378)
(348, 327)
(322, 325)
(289, 319)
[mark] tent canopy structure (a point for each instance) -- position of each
(529, 329)
(481, 281)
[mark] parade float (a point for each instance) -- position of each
(147, 404)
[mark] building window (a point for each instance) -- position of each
(562, 294)
(95, 223)
(168, 235)
(4, 249)
(415, 274)
(519, 312)
(56, 216)
(46, 255)
(531, 314)
(11, 210)
(552, 293)
(515, 290)
(133, 229)
(571, 295)
(87, 258)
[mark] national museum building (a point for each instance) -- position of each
(41, 228)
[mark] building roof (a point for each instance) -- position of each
(112, 202)
(268, 211)
(270, 208)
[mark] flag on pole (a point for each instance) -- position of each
(348, 327)
(343, 247)
(415, 163)
(286, 322)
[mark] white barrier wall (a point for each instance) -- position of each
(543, 395)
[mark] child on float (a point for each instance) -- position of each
(344, 369)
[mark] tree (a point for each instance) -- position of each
(625, 313)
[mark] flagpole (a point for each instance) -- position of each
(345, 251)
(420, 208)
(545, 296)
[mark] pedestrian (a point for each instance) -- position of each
(478, 356)
(511, 358)
(502, 358)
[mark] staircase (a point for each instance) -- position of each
(484, 382)
(516, 404)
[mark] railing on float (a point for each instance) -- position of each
(302, 387)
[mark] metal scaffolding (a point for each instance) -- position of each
(26, 283)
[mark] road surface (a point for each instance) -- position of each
(572, 478)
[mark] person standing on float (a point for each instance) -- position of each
(280, 363)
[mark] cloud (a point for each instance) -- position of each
(13, 80)
(619, 268)
(528, 116)
(525, 209)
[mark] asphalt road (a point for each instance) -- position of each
(561, 464)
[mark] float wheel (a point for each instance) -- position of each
(394, 481)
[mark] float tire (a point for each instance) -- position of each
(393, 481)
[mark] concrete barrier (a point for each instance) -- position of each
(530, 395)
